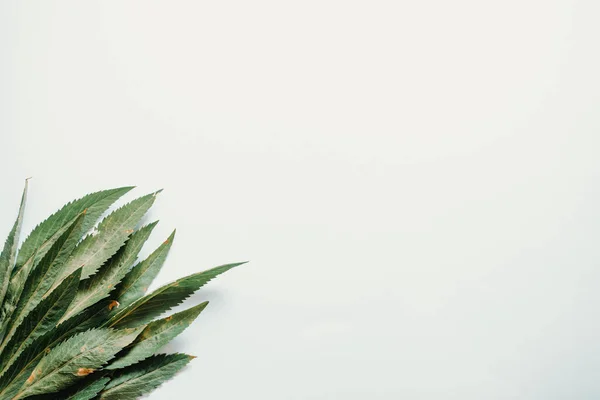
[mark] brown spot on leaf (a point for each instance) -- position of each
(84, 371)
(113, 304)
(170, 317)
(166, 241)
(33, 375)
(128, 231)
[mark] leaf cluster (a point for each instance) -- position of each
(75, 319)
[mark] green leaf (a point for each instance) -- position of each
(63, 333)
(86, 389)
(41, 320)
(137, 281)
(75, 358)
(15, 376)
(8, 255)
(95, 204)
(98, 286)
(20, 274)
(24, 295)
(148, 307)
(142, 378)
(156, 335)
(111, 234)
(89, 390)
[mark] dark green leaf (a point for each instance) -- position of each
(98, 286)
(140, 379)
(149, 307)
(19, 371)
(137, 281)
(90, 390)
(111, 234)
(156, 335)
(42, 319)
(30, 292)
(9, 253)
(75, 358)
(95, 204)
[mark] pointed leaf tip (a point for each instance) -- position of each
(141, 378)
(146, 308)
(237, 264)
(157, 334)
(170, 238)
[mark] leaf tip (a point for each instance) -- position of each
(171, 237)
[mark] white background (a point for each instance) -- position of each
(414, 182)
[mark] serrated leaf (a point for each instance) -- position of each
(21, 273)
(25, 294)
(98, 286)
(164, 298)
(95, 204)
(9, 252)
(15, 376)
(90, 390)
(156, 335)
(42, 319)
(137, 281)
(142, 378)
(75, 358)
(86, 389)
(111, 234)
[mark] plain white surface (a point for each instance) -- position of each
(414, 182)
